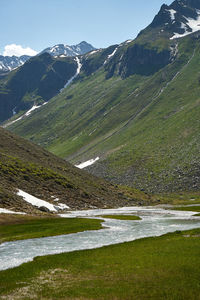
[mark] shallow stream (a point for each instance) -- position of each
(155, 222)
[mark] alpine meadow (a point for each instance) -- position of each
(100, 166)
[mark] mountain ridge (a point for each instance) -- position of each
(9, 63)
(133, 105)
(66, 50)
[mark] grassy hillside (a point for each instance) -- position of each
(38, 80)
(32, 169)
(144, 128)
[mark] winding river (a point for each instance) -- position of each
(155, 222)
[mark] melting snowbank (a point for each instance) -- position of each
(87, 163)
(41, 203)
(7, 211)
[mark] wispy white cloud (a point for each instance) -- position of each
(18, 50)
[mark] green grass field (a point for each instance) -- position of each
(166, 267)
(27, 227)
(188, 208)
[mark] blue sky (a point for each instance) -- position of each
(38, 24)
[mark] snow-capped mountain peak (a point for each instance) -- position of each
(8, 63)
(181, 18)
(66, 50)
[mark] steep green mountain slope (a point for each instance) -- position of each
(136, 106)
(38, 80)
(32, 169)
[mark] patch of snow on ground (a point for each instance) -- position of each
(7, 211)
(41, 203)
(128, 41)
(35, 201)
(194, 24)
(79, 65)
(93, 52)
(34, 107)
(87, 163)
(61, 206)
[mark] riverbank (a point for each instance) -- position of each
(20, 227)
(166, 267)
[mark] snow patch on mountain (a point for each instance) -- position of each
(192, 24)
(34, 107)
(111, 55)
(172, 14)
(79, 65)
(41, 203)
(9, 63)
(87, 163)
(128, 41)
(93, 52)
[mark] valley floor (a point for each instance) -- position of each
(166, 267)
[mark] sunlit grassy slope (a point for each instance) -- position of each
(145, 129)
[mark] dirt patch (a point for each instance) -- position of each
(194, 235)
(53, 279)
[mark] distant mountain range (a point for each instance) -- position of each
(8, 63)
(134, 106)
(66, 50)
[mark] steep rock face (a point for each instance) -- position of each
(95, 60)
(182, 17)
(38, 80)
(139, 59)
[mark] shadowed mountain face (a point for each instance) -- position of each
(135, 106)
(9, 63)
(38, 80)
